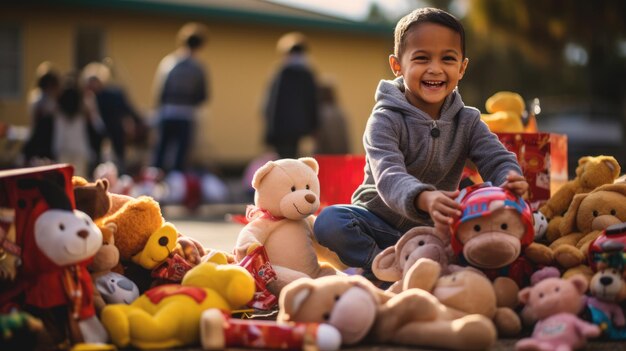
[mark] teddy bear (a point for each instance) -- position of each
(468, 292)
(556, 303)
(143, 237)
(168, 316)
(607, 286)
(394, 262)
(608, 291)
(286, 198)
(588, 215)
(364, 313)
(107, 258)
(591, 172)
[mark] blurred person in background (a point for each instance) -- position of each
(70, 141)
(181, 87)
(119, 119)
(42, 107)
(291, 110)
(332, 136)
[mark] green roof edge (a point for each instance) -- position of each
(381, 29)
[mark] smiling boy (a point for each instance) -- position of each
(416, 141)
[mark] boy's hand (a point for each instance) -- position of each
(516, 183)
(441, 207)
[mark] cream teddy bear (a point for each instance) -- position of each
(286, 197)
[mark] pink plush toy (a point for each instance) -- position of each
(556, 303)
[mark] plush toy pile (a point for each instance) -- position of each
(81, 264)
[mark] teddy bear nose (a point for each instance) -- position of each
(310, 198)
(606, 280)
(83, 233)
(163, 241)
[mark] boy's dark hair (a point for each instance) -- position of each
(426, 15)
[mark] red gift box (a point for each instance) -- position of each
(543, 158)
(339, 176)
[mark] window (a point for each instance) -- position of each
(89, 46)
(10, 60)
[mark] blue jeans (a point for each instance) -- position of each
(354, 233)
(177, 134)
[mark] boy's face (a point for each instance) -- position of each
(432, 65)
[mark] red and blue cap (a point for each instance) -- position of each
(476, 202)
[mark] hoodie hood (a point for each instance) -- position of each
(390, 96)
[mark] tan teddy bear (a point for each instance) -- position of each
(468, 292)
(588, 215)
(286, 197)
(363, 313)
(591, 173)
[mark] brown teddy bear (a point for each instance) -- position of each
(591, 173)
(394, 262)
(588, 215)
(144, 239)
(363, 313)
(106, 259)
(468, 292)
(286, 197)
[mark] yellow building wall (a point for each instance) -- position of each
(240, 57)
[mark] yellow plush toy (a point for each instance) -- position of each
(168, 316)
(591, 173)
(505, 110)
(286, 198)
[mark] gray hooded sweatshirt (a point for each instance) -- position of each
(403, 158)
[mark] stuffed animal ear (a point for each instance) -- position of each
(579, 282)
(568, 225)
(619, 188)
(524, 295)
(581, 163)
(103, 183)
(311, 162)
(292, 297)
(52, 190)
(262, 172)
(112, 228)
(386, 267)
(613, 165)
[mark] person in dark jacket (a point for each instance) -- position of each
(43, 105)
(291, 108)
(116, 118)
(182, 87)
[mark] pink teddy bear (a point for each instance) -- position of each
(556, 303)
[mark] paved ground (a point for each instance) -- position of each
(211, 226)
